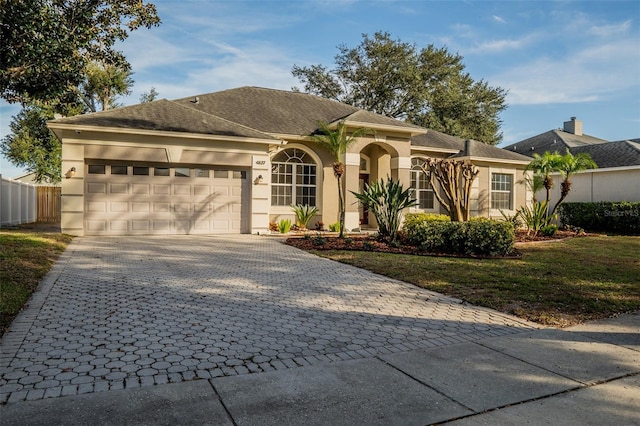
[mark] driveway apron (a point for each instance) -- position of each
(123, 312)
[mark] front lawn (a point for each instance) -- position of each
(25, 258)
(556, 283)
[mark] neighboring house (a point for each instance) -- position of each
(31, 178)
(234, 161)
(618, 172)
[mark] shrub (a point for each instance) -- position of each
(613, 217)
(480, 237)
(549, 230)
(412, 221)
(386, 200)
(284, 226)
(335, 227)
(273, 226)
(319, 240)
(319, 226)
(304, 213)
(536, 217)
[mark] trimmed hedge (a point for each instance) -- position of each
(477, 237)
(617, 218)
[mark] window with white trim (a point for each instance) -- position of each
(501, 191)
(293, 178)
(420, 186)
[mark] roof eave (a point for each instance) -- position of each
(165, 133)
(492, 160)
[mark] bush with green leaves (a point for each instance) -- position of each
(304, 213)
(386, 200)
(477, 237)
(549, 230)
(334, 227)
(614, 217)
(284, 226)
(536, 217)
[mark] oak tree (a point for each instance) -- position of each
(427, 87)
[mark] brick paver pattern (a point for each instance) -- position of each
(139, 311)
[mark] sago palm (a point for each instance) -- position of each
(337, 141)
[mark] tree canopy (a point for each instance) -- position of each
(427, 87)
(46, 45)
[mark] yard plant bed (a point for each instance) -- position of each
(559, 283)
(25, 258)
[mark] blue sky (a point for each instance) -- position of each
(557, 59)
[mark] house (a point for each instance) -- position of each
(236, 160)
(618, 172)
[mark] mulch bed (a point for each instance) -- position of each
(368, 243)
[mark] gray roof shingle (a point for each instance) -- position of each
(552, 141)
(612, 154)
(469, 148)
(164, 115)
(270, 110)
(256, 112)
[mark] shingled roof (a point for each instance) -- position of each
(465, 148)
(269, 110)
(612, 154)
(255, 112)
(552, 141)
(163, 115)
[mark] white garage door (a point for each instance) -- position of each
(125, 199)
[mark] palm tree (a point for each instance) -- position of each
(544, 165)
(533, 182)
(568, 166)
(337, 141)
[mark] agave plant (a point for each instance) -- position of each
(386, 200)
(304, 213)
(536, 217)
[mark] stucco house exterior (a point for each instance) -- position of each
(615, 179)
(234, 161)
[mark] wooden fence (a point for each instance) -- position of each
(49, 203)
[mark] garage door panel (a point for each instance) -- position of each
(140, 225)
(140, 207)
(179, 189)
(162, 189)
(97, 188)
(119, 188)
(148, 204)
(181, 207)
(119, 206)
(201, 190)
(161, 207)
(97, 206)
(119, 225)
(140, 188)
(96, 225)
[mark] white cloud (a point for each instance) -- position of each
(609, 30)
(499, 19)
(498, 46)
(590, 74)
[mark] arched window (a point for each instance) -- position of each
(293, 178)
(422, 190)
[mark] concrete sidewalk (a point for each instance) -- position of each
(585, 375)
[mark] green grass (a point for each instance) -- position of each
(556, 283)
(25, 258)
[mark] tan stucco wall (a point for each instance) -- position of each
(81, 148)
(612, 184)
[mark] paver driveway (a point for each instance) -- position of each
(137, 311)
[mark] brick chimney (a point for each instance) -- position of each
(574, 126)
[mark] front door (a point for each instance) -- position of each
(364, 212)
